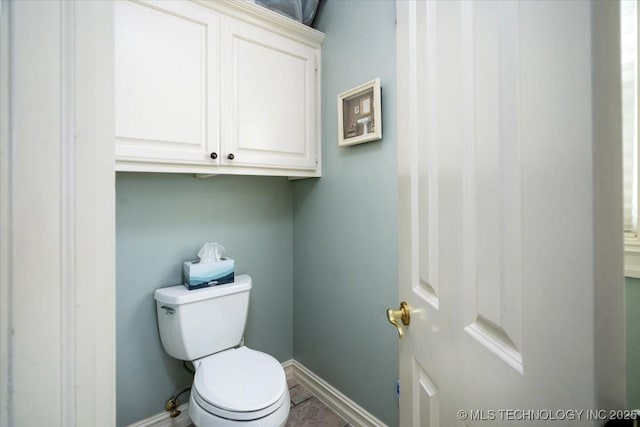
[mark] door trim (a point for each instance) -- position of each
(57, 195)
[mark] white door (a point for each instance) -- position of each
(497, 221)
(270, 89)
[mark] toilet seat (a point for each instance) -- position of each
(239, 384)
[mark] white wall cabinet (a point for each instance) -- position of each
(271, 114)
(167, 83)
(215, 87)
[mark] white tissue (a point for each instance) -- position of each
(211, 252)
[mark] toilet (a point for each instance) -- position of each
(233, 385)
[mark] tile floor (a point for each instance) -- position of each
(308, 411)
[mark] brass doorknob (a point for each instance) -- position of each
(403, 314)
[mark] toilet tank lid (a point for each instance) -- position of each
(178, 294)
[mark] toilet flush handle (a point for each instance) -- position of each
(168, 310)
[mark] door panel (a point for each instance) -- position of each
(427, 165)
(491, 177)
(425, 393)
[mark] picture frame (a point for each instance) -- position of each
(360, 114)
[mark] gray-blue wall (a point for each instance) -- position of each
(345, 224)
(632, 306)
(162, 220)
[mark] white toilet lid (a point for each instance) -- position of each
(240, 381)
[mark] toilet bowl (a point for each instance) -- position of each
(233, 385)
(239, 387)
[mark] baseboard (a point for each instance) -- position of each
(353, 413)
(164, 420)
(288, 369)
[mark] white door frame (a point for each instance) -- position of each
(609, 327)
(57, 214)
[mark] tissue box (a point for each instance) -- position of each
(196, 274)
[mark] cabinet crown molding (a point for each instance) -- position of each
(249, 12)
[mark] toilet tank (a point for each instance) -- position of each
(200, 322)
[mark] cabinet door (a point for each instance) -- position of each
(167, 82)
(270, 89)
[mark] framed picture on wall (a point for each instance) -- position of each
(360, 114)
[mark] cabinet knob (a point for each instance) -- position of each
(213, 155)
(230, 156)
